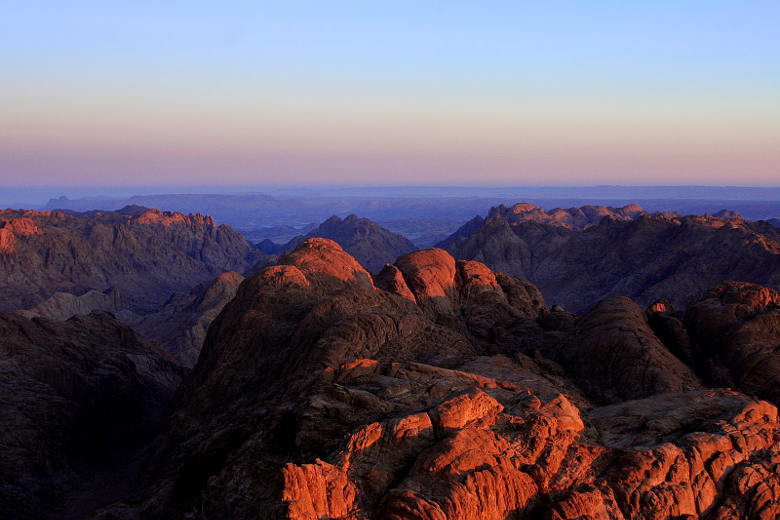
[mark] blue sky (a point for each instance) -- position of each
(243, 92)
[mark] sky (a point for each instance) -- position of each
(488, 93)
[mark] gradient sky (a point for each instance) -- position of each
(539, 93)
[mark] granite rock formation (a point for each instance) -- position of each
(732, 336)
(146, 254)
(441, 389)
(79, 400)
(180, 326)
(62, 306)
(580, 256)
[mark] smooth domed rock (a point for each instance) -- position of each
(318, 395)
(617, 356)
(324, 261)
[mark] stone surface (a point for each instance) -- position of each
(321, 394)
(78, 400)
(62, 306)
(735, 332)
(616, 355)
(180, 326)
(580, 256)
(146, 254)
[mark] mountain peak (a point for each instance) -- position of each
(324, 259)
(371, 244)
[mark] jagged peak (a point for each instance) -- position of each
(169, 218)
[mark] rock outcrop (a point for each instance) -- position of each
(580, 256)
(616, 355)
(146, 254)
(431, 392)
(180, 326)
(78, 401)
(368, 242)
(62, 306)
(735, 333)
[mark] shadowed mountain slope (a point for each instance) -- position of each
(78, 400)
(180, 326)
(582, 255)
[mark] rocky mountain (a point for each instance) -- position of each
(440, 389)
(180, 326)
(145, 254)
(371, 244)
(79, 400)
(572, 218)
(62, 306)
(579, 256)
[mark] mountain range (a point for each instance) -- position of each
(582, 363)
(579, 256)
(146, 254)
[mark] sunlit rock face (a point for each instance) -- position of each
(145, 254)
(444, 390)
(579, 256)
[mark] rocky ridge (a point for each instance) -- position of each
(146, 254)
(180, 326)
(580, 256)
(442, 389)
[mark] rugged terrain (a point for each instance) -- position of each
(441, 389)
(434, 389)
(79, 400)
(371, 244)
(147, 255)
(579, 256)
(180, 326)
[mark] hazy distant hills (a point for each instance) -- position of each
(578, 256)
(426, 215)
